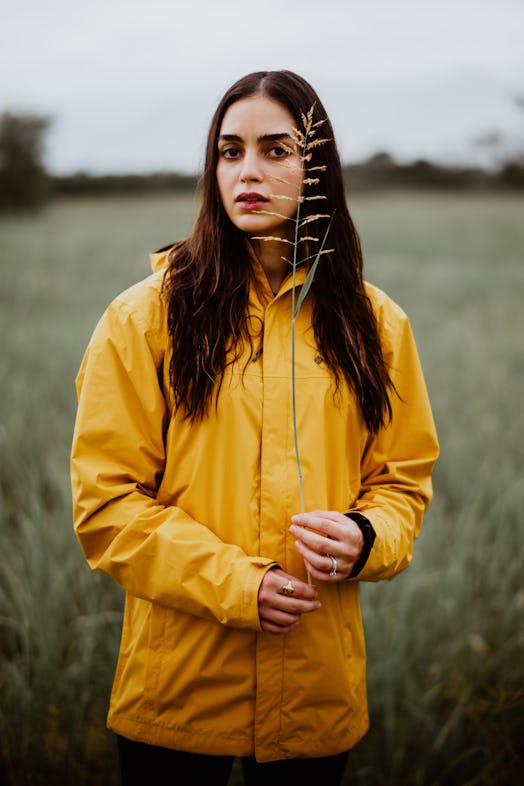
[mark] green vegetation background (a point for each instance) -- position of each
(445, 639)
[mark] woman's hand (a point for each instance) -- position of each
(282, 599)
(331, 550)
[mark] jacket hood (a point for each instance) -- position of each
(158, 259)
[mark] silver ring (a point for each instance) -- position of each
(333, 571)
(287, 589)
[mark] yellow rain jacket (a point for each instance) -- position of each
(188, 518)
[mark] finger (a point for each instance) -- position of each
(323, 576)
(286, 586)
(271, 627)
(315, 541)
(321, 561)
(282, 604)
(279, 617)
(286, 611)
(318, 575)
(322, 525)
(332, 515)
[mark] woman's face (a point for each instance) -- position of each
(259, 168)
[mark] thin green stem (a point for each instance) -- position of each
(293, 342)
(295, 429)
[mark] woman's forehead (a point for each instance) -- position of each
(260, 113)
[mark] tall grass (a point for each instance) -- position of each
(445, 641)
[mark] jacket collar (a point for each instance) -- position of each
(262, 283)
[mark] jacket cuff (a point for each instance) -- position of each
(369, 538)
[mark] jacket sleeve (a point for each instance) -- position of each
(398, 462)
(155, 552)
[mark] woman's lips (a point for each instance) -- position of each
(251, 201)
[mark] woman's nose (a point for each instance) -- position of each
(250, 170)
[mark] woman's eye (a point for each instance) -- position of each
(230, 152)
(279, 152)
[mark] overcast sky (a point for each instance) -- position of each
(131, 85)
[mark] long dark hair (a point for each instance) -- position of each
(206, 282)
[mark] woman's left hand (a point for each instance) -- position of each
(330, 543)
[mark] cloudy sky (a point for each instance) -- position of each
(131, 84)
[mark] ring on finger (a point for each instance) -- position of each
(287, 589)
(333, 571)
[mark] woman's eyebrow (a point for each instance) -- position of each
(263, 138)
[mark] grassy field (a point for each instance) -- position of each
(445, 639)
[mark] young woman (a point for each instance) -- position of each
(242, 634)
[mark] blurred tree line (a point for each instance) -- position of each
(24, 181)
(26, 185)
(382, 171)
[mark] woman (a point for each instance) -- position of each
(198, 401)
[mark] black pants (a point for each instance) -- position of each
(149, 765)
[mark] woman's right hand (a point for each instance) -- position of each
(280, 610)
